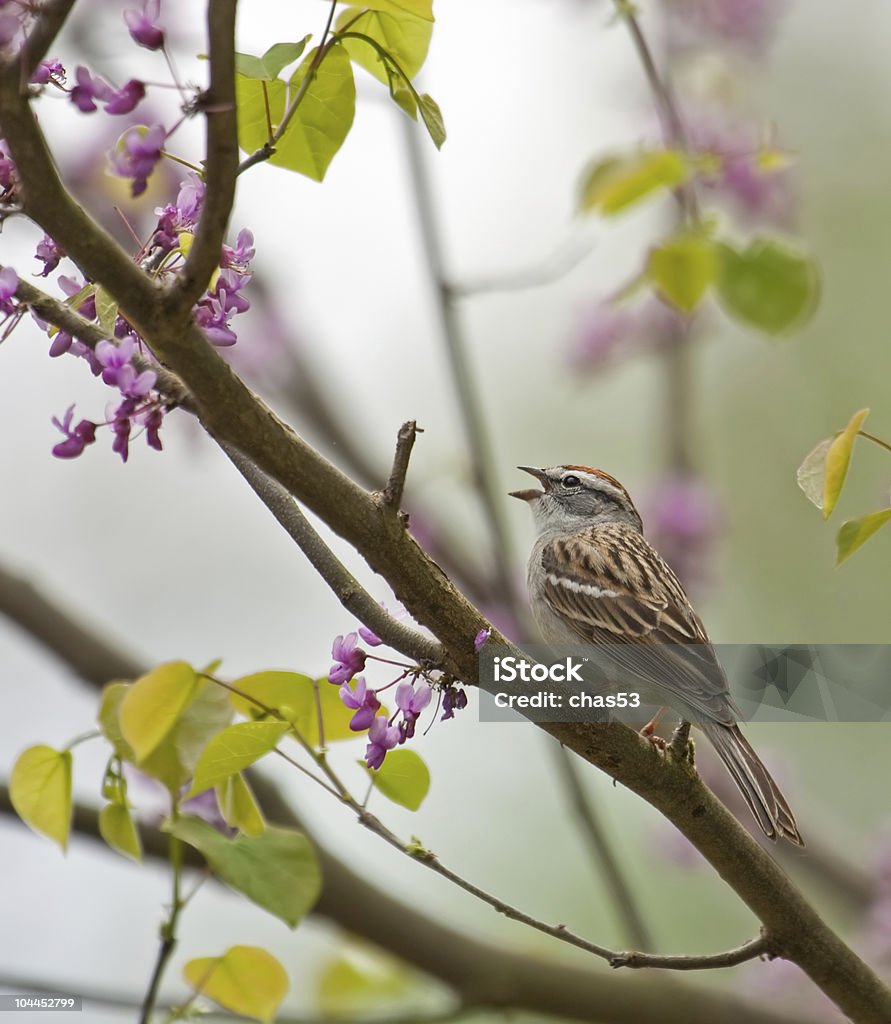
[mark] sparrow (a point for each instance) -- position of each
(594, 578)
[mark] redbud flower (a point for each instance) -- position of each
(381, 737)
(363, 701)
(481, 639)
(411, 703)
(348, 659)
(370, 637)
(136, 153)
(75, 440)
(143, 29)
(50, 253)
(50, 70)
(9, 282)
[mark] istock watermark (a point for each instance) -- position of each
(768, 683)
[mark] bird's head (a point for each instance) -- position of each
(574, 497)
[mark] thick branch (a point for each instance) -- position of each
(221, 161)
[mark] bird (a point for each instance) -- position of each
(593, 578)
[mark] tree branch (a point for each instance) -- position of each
(405, 441)
(221, 159)
(750, 950)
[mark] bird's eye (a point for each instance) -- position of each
(571, 481)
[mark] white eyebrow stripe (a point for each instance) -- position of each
(580, 588)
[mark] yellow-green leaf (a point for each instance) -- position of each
(768, 285)
(277, 870)
(245, 980)
(40, 790)
(404, 36)
(239, 807)
(615, 183)
(151, 706)
(118, 830)
(811, 474)
(267, 67)
(234, 749)
(109, 707)
(856, 532)
(431, 115)
(289, 693)
(682, 269)
(348, 987)
(838, 458)
(419, 8)
(402, 778)
(106, 311)
(320, 123)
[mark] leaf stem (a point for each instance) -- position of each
(875, 440)
(168, 929)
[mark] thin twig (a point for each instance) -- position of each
(391, 496)
(341, 581)
(750, 950)
(168, 933)
(221, 159)
(606, 862)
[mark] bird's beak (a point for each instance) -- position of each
(531, 494)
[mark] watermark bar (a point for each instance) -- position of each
(628, 682)
(40, 1002)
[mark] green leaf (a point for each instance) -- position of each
(615, 183)
(40, 791)
(811, 474)
(245, 979)
(400, 93)
(768, 285)
(404, 36)
(682, 269)
(153, 703)
(106, 311)
(267, 67)
(173, 761)
(348, 989)
(856, 532)
(402, 778)
(431, 115)
(320, 123)
(109, 706)
(289, 693)
(838, 458)
(239, 807)
(117, 829)
(234, 749)
(277, 870)
(419, 8)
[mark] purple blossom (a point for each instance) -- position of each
(214, 311)
(349, 659)
(50, 70)
(7, 167)
(153, 420)
(136, 153)
(411, 703)
(9, 282)
(453, 700)
(88, 89)
(381, 737)
(50, 253)
(242, 254)
(75, 440)
(180, 216)
(481, 639)
(370, 637)
(363, 701)
(127, 98)
(61, 343)
(87, 307)
(118, 370)
(683, 518)
(141, 24)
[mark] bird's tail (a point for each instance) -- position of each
(762, 794)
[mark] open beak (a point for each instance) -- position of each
(531, 494)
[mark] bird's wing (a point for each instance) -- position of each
(612, 589)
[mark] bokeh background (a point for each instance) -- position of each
(173, 556)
